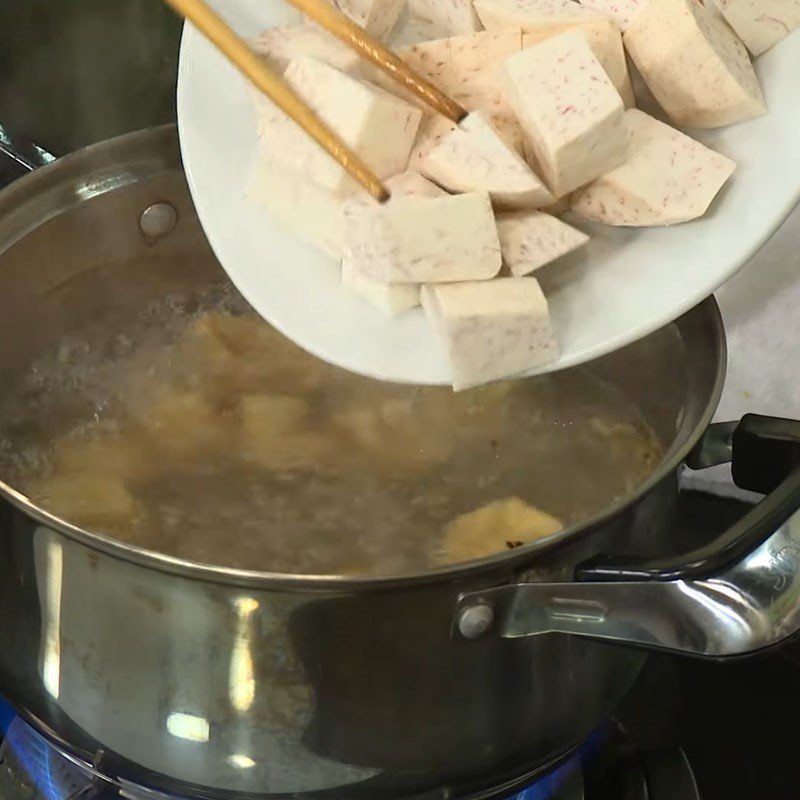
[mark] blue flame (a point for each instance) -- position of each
(546, 787)
(7, 715)
(32, 753)
(45, 770)
(549, 785)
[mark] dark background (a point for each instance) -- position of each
(73, 72)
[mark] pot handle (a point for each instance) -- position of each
(737, 595)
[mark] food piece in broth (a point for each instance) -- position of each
(276, 436)
(91, 500)
(180, 424)
(103, 451)
(393, 436)
(264, 358)
(267, 417)
(696, 67)
(496, 527)
(474, 157)
(668, 178)
(235, 354)
(572, 115)
(92, 471)
(423, 240)
(377, 125)
(318, 470)
(531, 239)
(761, 23)
(491, 330)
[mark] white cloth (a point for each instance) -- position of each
(761, 309)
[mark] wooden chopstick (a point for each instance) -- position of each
(341, 26)
(236, 50)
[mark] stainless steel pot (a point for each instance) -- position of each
(190, 678)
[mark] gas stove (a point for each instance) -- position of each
(609, 766)
(689, 729)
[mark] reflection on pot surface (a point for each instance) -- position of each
(199, 419)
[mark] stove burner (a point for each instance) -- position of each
(609, 767)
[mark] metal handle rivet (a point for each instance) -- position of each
(158, 219)
(475, 620)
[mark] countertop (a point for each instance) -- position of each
(761, 309)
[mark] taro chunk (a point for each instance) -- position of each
(430, 60)
(531, 239)
(540, 19)
(376, 125)
(280, 46)
(761, 23)
(307, 209)
(491, 330)
(621, 11)
(531, 14)
(694, 64)
(469, 68)
(474, 157)
(377, 17)
(570, 112)
(433, 128)
(668, 178)
(475, 76)
(437, 19)
(423, 240)
(606, 42)
(391, 298)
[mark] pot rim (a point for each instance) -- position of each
(147, 153)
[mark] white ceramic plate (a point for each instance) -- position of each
(624, 285)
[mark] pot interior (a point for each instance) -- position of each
(142, 398)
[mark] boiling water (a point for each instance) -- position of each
(203, 434)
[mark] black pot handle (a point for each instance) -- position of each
(738, 595)
(765, 458)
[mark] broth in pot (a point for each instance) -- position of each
(204, 434)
